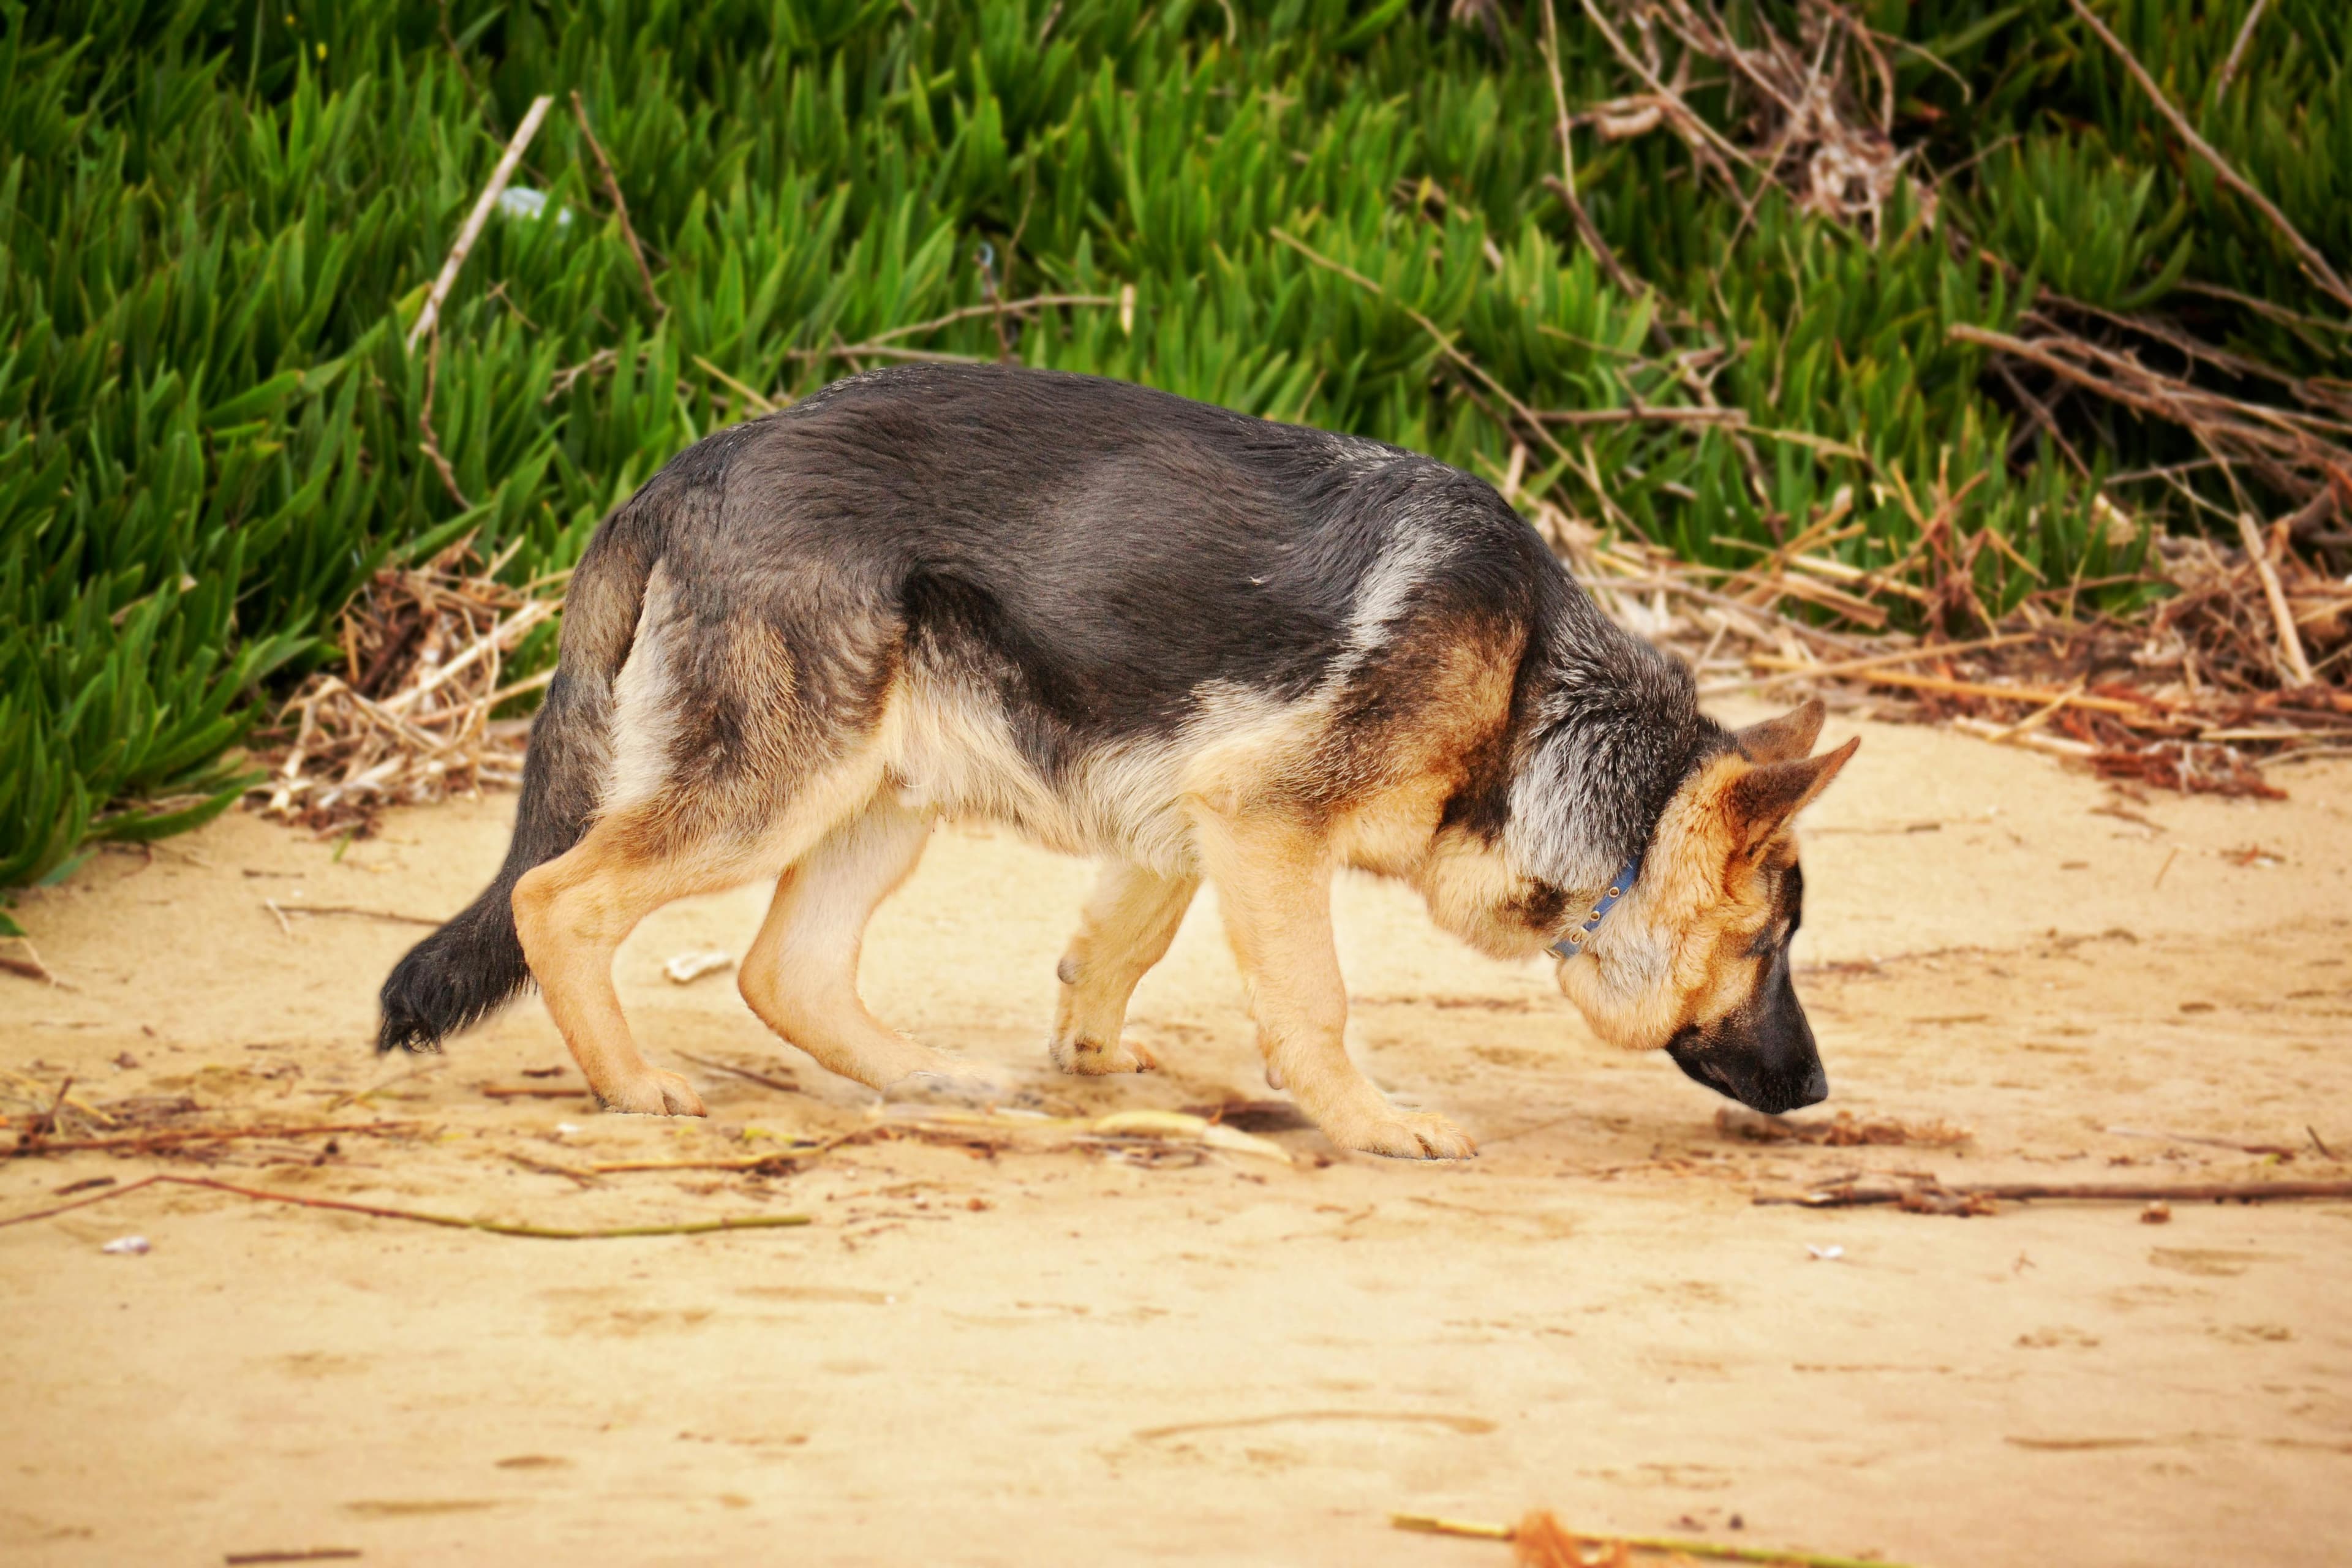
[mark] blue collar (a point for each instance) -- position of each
(1619, 885)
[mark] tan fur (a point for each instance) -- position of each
(574, 912)
(1784, 739)
(1273, 889)
(1675, 951)
(1471, 890)
(1465, 701)
(1243, 790)
(801, 973)
(1240, 799)
(1126, 928)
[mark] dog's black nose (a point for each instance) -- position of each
(1816, 1090)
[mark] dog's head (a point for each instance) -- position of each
(1695, 960)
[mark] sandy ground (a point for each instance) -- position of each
(1060, 1357)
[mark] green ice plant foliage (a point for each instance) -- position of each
(218, 221)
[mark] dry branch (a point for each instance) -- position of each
(1933, 1197)
(1544, 1542)
(49, 1103)
(1799, 670)
(428, 440)
(881, 344)
(2125, 707)
(452, 1222)
(429, 317)
(780, 1162)
(1124, 1130)
(620, 203)
(756, 401)
(2292, 661)
(2292, 448)
(30, 965)
(786, 1085)
(282, 910)
(163, 1138)
(1804, 123)
(2161, 1135)
(1640, 412)
(1564, 186)
(2229, 72)
(2309, 254)
(2183, 696)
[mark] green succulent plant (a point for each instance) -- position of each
(218, 223)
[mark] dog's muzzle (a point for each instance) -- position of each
(1762, 1056)
(1770, 1092)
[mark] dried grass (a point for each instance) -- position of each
(1816, 109)
(2194, 695)
(406, 718)
(1844, 1131)
(2242, 663)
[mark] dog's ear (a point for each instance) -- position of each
(1760, 801)
(1785, 739)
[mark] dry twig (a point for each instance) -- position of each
(2130, 707)
(1446, 347)
(452, 1222)
(429, 440)
(1800, 98)
(785, 1085)
(1542, 1541)
(2292, 661)
(1969, 1198)
(2229, 72)
(2308, 254)
(883, 345)
(282, 910)
(428, 319)
(30, 965)
(1564, 186)
(2162, 1136)
(163, 1138)
(620, 203)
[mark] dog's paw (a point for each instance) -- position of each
(654, 1093)
(1091, 1059)
(1406, 1135)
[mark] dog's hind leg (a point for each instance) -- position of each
(573, 914)
(1129, 919)
(801, 975)
(1274, 887)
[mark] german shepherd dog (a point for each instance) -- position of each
(1195, 645)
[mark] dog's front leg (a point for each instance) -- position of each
(1274, 888)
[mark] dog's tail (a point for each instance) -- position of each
(474, 966)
